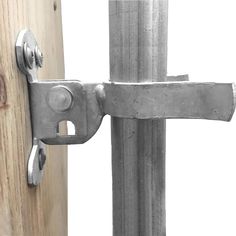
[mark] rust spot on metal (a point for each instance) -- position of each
(3, 94)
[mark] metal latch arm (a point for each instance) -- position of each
(85, 104)
(187, 100)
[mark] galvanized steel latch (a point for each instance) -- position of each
(85, 104)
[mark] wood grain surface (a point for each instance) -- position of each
(25, 211)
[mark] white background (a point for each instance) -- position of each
(201, 155)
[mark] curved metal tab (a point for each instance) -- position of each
(35, 168)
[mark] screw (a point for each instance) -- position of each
(29, 56)
(60, 99)
(38, 56)
(42, 158)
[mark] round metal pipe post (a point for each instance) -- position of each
(138, 53)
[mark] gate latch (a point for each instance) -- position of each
(85, 104)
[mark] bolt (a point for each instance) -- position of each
(42, 158)
(60, 99)
(29, 56)
(38, 57)
(101, 95)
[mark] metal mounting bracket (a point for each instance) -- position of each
(29, 58)
(85, 104)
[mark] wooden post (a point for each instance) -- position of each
(25, 211)
(138, 52)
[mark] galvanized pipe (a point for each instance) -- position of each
(138, 53)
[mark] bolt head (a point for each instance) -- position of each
(28, 56)
(38, 57)
(60, 99)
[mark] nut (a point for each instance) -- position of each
(28, 56)
(38, 57)
(42, 158)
